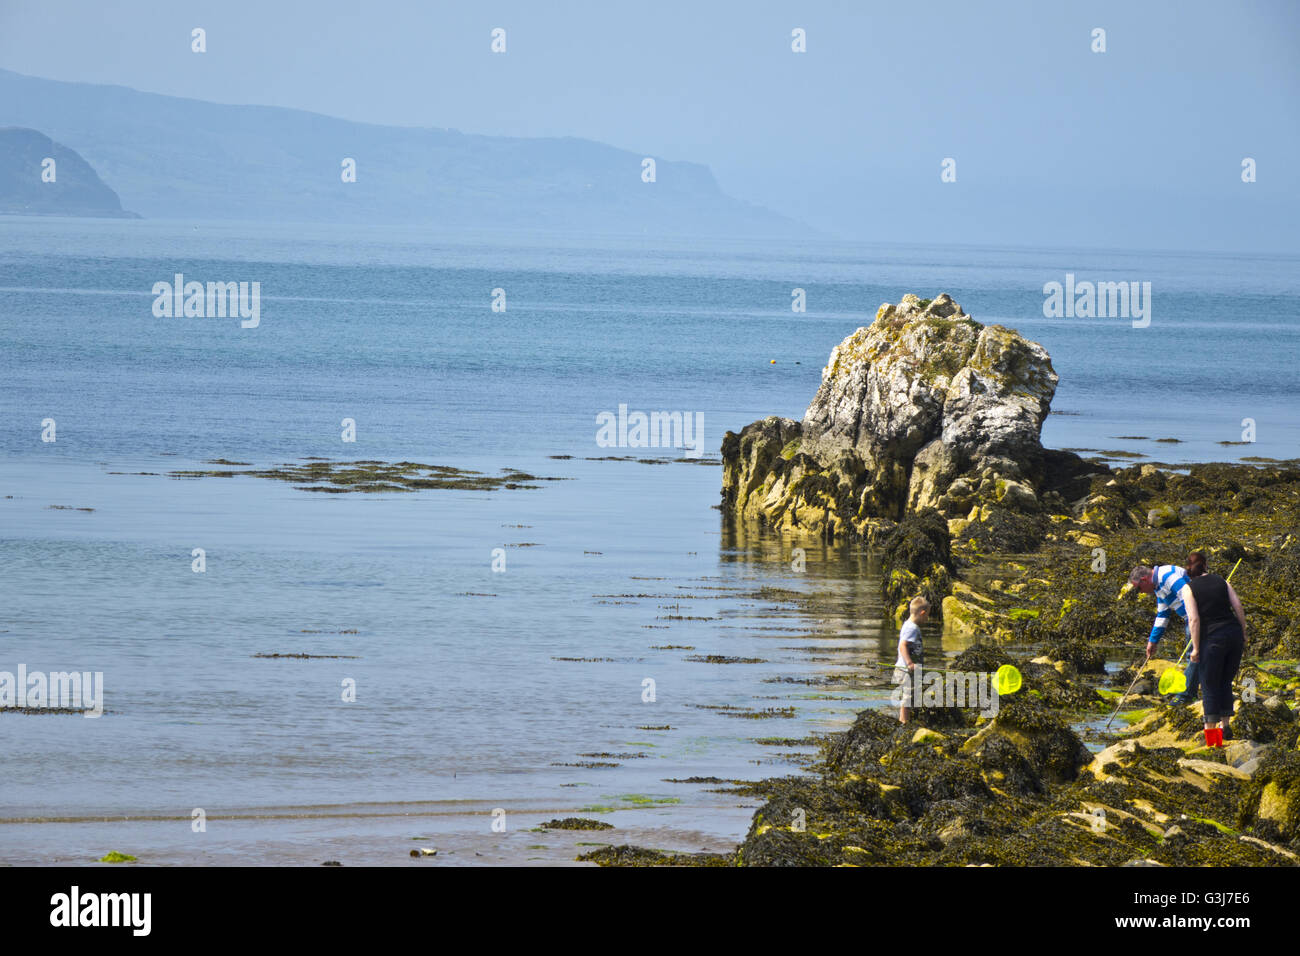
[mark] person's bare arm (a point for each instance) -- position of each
(902, 650)
(1193, 619)
(1236, 609)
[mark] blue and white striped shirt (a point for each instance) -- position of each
(1168, 580)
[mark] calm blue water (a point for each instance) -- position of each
(461, 704)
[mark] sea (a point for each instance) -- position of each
(291, 677)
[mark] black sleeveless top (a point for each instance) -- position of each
(1212, 602)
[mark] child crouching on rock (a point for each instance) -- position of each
(909, 655)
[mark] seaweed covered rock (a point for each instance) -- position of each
(1254, 720)
(1113, 504)
(576, 823)
(1006, 766)
(916, 558)
(1022, 791)
(992, 529)
(1271, 802)
(981, 656)
(765, 477)
(1090, 614)
(1178, 809)
(1168, 726)
(929, 716)
(1049, 746)
(927, 777)
(1266, 579)
(1054, 684)
(863, 744)
(793, 827)
(626, 855)
(1083, 658)
(925, 408)
(968, 613)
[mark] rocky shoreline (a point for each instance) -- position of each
(923, 443)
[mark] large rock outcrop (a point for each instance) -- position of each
(923, 409)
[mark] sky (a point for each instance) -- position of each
(1139, 145)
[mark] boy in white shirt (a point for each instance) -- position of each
(909, 654)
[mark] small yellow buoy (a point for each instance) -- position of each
(773, 362)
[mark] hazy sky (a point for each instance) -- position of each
(1051, 139)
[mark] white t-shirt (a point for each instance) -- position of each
(912, 635)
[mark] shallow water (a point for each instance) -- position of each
(464, 702)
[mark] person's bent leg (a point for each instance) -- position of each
(1193, 688)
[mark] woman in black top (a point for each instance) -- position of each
(1217, 649)
(1195, 567)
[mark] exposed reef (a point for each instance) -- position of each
(924, 416)
(338, 477)
(923, 442)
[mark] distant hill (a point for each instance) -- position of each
(31, 185)
(178, 158)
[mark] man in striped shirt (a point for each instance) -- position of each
(1173, 594)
